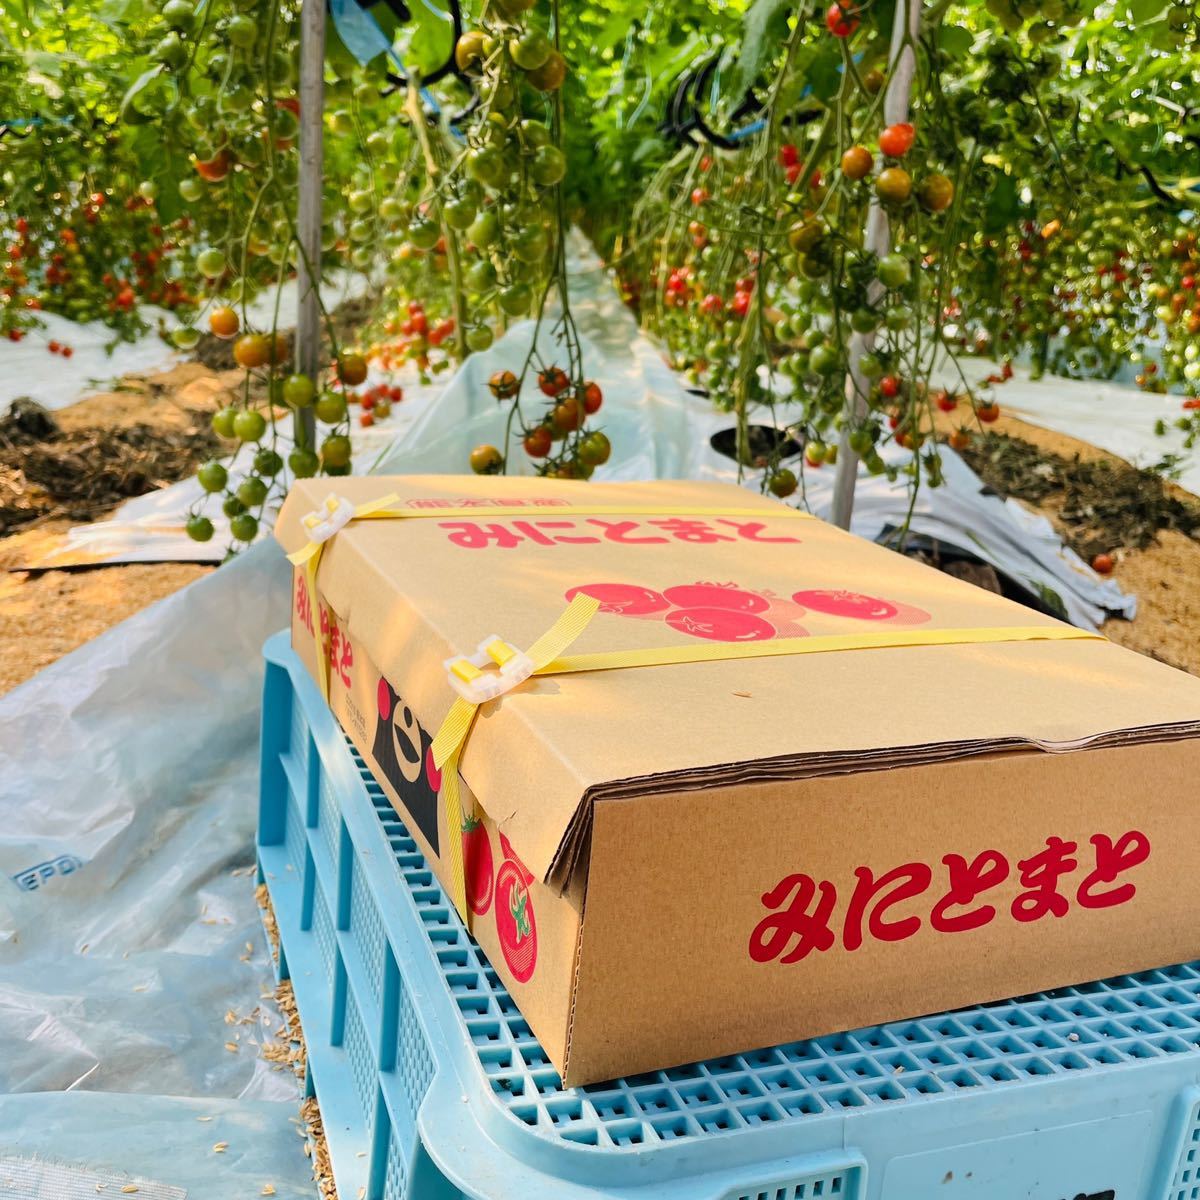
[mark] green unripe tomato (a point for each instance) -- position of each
(516, 299)
(360, 200)
(268, 463)
(863, 320)
(335, 450)
(222, 422)
(212, 476)
(210, 263)
(185, 337)
(479, 337)
(549, 165)
(894, 271)
(424, 234)
(249, 425)
(330, 408)
(171, 51)
(252, 491)
(485, 229)
(303, 464)
(481, 276)
(190, 189)
(531, 50)
(199, 529)
(298, 390)
(487, 166)
(459, 214)
(242, 31)
(823, 360)
(536, 133)
(179, 14)
(244, 527)
(530, 244)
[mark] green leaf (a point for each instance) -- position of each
(763, 30)
(1144, 11)
(130, 113)
(1002, 204)
(429, 43)
(825, 74)
(955, 40)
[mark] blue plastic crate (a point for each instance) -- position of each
(432, 1087)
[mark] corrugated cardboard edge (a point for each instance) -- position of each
(572, 855)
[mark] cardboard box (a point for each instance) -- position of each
(678, 861)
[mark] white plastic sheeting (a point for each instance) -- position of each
(27, 368)
(1115, 417)
(128, 924)
(152, 528)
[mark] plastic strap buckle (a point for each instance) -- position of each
(323, 523)
(476, 683)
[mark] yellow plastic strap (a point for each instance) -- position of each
(659, 656)
(452, 736)
(309, 557)
(371, 508)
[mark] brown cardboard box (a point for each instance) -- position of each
(679, 861)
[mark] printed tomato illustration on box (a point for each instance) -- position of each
(477, 857)
(515, 924)
(404, 753)
(728, 612)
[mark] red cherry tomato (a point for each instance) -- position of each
(840, 21)
(896, 140)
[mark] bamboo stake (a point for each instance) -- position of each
(902, 66)
(309, 216)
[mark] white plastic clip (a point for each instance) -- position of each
(475, 682)
(323, 523)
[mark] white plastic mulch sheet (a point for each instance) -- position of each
(27, 368)
(152, 528)
(133, 967)
(1115, 417)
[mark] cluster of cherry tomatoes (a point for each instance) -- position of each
(556, 440)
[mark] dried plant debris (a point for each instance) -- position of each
(46, 471)
(1099, 504)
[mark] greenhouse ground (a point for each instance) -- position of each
(44, 615)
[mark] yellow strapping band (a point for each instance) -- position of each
(547, 652)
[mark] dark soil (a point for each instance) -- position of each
(46, 471)
(1099, 504)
